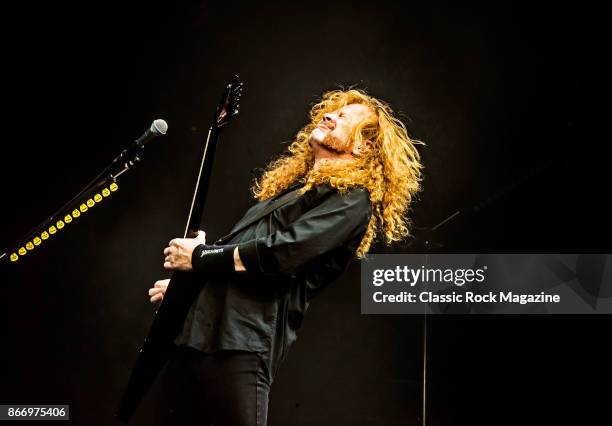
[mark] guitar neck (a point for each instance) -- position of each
(202, 183)
(227, 109)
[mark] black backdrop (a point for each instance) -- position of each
(505, 97)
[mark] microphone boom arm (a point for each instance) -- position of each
(101, 187)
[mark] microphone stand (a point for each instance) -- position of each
(93, 193)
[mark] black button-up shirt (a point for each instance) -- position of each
(289, 255)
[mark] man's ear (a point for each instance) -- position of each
(363, 148)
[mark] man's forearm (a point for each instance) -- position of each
(238, 266)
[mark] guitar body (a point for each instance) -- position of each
(182, 289)
(159, 344)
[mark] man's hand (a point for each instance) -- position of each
(159, 290)
(178, 254)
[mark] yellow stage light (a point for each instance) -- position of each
(61, 223)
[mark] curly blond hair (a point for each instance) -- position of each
(391, 171)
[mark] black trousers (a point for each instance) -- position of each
(226, 388)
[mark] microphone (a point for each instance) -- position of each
(159, 127)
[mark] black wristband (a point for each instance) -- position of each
(213, 259)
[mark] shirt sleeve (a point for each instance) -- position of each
(327, 226)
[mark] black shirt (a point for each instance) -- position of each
(289, 255)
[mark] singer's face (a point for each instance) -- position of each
(334, 131)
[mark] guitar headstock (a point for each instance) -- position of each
(229, 106)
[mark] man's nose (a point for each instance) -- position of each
(329, 120)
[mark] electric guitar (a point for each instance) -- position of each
(182, 290)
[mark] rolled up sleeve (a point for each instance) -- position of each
(327, 226)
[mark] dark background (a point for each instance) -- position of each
(506, 97)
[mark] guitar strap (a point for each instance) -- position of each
(279, 202)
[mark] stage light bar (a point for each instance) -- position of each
(50, 230)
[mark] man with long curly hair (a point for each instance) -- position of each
(350, 174)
